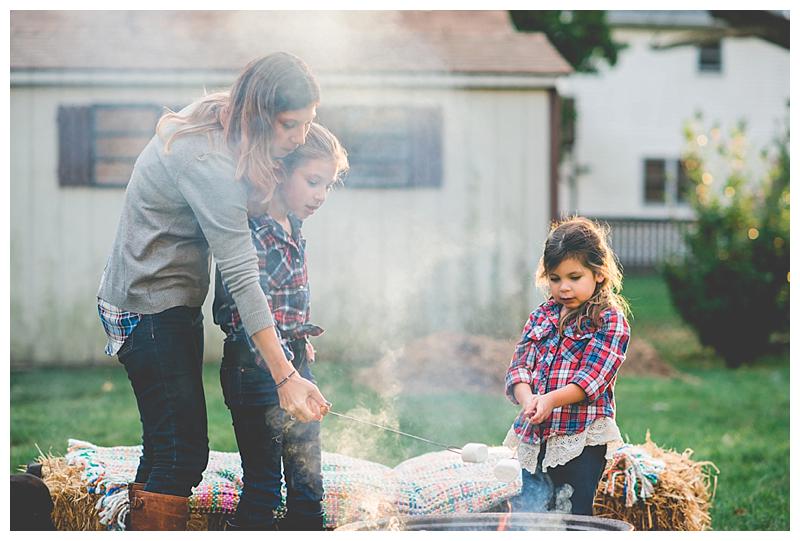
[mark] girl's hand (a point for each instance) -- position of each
(528, 404)
(302, 399)
(542, 407)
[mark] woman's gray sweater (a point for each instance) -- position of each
(180, 208)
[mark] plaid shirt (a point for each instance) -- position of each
(118, 324)
(284, 279)
(548, 361)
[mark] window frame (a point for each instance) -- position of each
(674, 171)
(703, 65)
(420, 133)
(78, 125)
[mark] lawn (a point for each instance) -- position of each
(739, 419)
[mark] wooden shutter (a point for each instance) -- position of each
(74, 146)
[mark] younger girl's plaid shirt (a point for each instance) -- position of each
(548, 361)
(284, 279)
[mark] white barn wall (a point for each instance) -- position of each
(384, 264)
(60, 236)
(637, 109)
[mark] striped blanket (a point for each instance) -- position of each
(355, 489)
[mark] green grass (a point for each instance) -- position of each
(738, 419)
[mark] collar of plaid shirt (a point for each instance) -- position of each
(258, 223)
(553, 310)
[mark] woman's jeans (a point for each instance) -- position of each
(582, 473)
(267, 436)
(164, 360)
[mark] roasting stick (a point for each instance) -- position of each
(475, 453)
(443, 446)
(509, 469)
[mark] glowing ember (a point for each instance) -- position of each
(503, 524)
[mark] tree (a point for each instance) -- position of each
(582, 37)
(770, 26)
(732, 285)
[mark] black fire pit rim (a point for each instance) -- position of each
(475, 518)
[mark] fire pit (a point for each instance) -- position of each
(490, 522)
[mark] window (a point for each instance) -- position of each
(98, 144)
(665, 182)
(655, 181)
(389, 147)
(710, 57)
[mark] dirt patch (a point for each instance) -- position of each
(451, 361)
(642, 359)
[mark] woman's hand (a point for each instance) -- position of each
(302, 399)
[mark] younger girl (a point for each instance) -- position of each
(265, 433)
(565, 366)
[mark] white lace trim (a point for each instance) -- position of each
(564, 447)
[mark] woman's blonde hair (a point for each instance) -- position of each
(587, 242)
(320, 144)
(244, 114)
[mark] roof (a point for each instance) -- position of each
(344, 42)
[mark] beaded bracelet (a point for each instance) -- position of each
(284, 380)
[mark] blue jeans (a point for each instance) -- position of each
(164, 361)
(267, 436)
(582, 473)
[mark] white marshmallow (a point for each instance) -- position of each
(475, 452)
(507, 470)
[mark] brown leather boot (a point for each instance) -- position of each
(151, 511)
(132, 489)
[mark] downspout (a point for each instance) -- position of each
(554, 101)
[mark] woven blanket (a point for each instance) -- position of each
(355, 489)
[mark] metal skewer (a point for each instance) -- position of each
(524, 428)
(450, 448)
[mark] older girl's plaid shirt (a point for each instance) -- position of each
(284, 279)
(548, 361)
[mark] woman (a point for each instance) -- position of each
(187, 200)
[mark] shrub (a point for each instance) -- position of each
(732, 283)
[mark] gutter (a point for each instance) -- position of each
(22, 77)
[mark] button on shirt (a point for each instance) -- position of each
(284, 279)
(547, 361)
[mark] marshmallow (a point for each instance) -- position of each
(475, 452)
(507, 470)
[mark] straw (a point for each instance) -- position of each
(681, 499)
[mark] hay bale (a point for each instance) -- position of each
(74, 508)
(681, 500)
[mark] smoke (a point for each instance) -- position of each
(361, 440)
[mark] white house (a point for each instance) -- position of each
(451, 119)
(630, 117)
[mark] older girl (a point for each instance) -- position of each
(266, 436)
(564, 368)
(187, 200)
